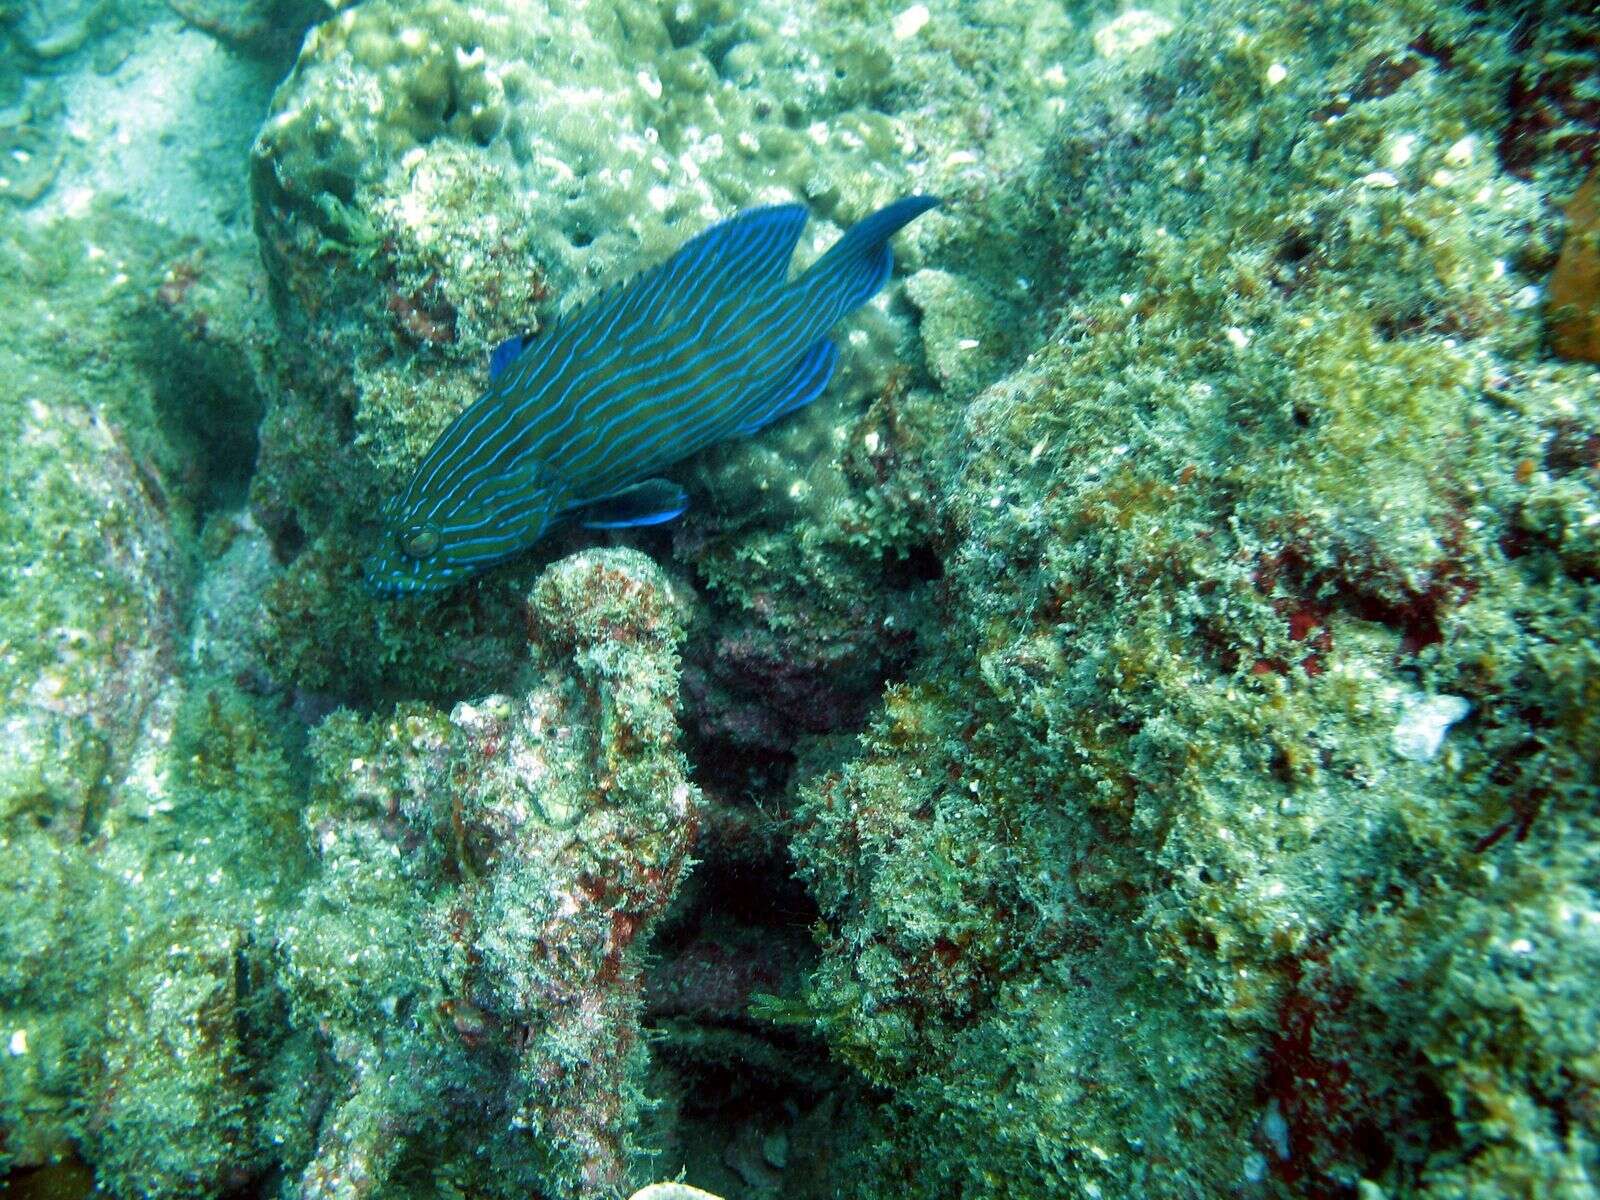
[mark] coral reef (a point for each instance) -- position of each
(1135, 735)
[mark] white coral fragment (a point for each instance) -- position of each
(1424, 720)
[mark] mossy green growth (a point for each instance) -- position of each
(142, 821)
(144, 1020)
(1108, 886)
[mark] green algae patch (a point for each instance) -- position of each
(136, 816)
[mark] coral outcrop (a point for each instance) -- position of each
(469, 957)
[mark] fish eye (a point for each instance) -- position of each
(419, 541)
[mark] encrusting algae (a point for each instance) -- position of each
(494, 872)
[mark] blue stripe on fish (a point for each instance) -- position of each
(714, 343)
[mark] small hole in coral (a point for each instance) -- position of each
(919, 564)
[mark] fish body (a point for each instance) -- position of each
(712, 344)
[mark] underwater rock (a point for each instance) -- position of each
(965, 332)
(173, 1100)
(94, 537)
(32, 161)
(53, 29)
(266, 28)
(497, 869)
(119, 980)
(87, 670)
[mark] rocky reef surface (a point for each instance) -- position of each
(1134, 736)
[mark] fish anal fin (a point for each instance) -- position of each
(803, 384)
(651, 502)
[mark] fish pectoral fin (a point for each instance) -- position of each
(649, 503)
(506, 353)
(524, 497)
(802, 385)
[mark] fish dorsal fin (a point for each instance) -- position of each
(748, 253)
(751, 250)
(859, 263)
(648, 503)
(506, 353)
(745, 255)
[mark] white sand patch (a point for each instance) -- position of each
(168, 132)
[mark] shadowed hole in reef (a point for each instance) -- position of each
(742, 1087)
(222, 426)
(752, 692)
(209, 416)
(919, 564)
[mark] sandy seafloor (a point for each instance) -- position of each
(1133, 735)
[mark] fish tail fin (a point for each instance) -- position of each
(858, 264)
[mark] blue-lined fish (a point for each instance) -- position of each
(714, 343)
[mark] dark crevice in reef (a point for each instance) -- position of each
(747, 1093)
(753, 694)
(918, 565)
(757, 1097)
(212, 421)
(208, 409)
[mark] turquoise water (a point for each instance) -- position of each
(1130, 735)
